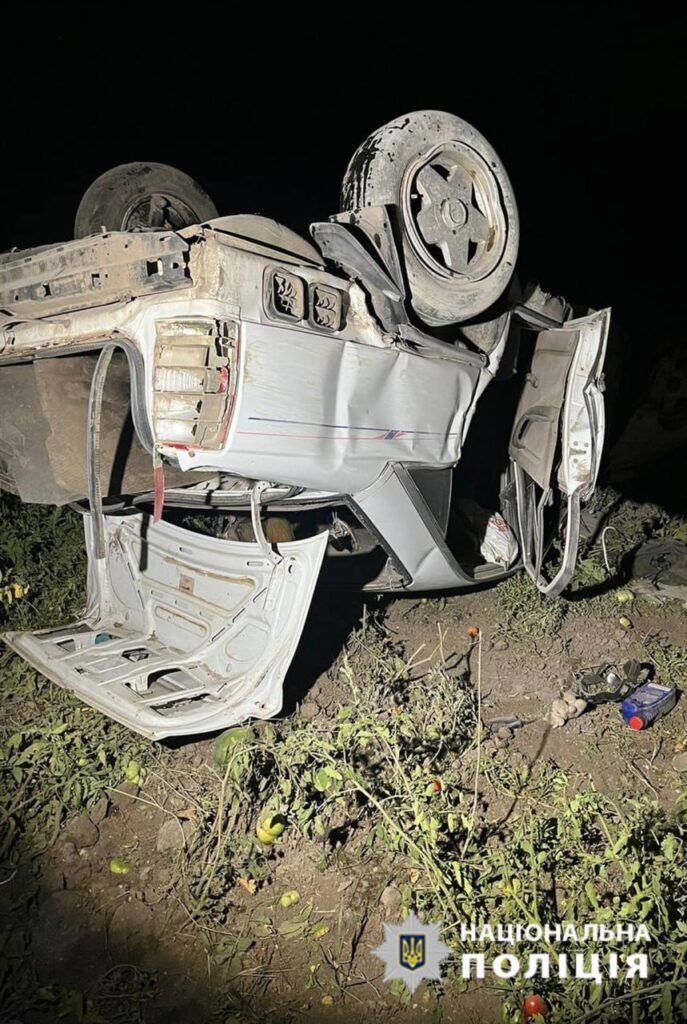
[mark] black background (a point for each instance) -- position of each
(585, 105)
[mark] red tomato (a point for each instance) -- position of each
(473, 632)
(534, 1005)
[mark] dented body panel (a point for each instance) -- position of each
(311, 407)
(270, 373)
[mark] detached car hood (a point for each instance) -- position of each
(184, 633)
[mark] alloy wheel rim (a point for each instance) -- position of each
(454, 214)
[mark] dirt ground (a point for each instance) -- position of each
(130, 937)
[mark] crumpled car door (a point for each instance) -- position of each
(184, 633)
(557, 439)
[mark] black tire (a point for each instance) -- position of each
(454, 207)
(142, 197)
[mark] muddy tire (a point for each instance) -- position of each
(453, 205)
(142, 197)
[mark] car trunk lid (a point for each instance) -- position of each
(184, 633)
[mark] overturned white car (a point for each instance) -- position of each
(383, 405)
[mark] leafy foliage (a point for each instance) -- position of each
(57, 756)
(41, 550)
(397, 775)
(391, 779)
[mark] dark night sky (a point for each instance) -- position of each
(585, 107)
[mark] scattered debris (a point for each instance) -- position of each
(499, 545)
(659, 569)
(608, 683)
(506, 721)
(646, 704)
(490, 531)
(501, 729)
(567, 706)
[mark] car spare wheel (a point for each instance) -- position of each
(454, 205)
(142, 197)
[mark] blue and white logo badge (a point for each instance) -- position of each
(412, 951)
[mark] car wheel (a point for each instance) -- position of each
(454, 207)
(142, 197)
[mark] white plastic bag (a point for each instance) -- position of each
(499, 544)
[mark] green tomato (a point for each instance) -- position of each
(120, 866)
(132, 772)
(270, 828)
(289, 898)
(226, 744)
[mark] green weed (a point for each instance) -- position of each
(396, 776)
(530, 619)
(57, 756)
(390, 778)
